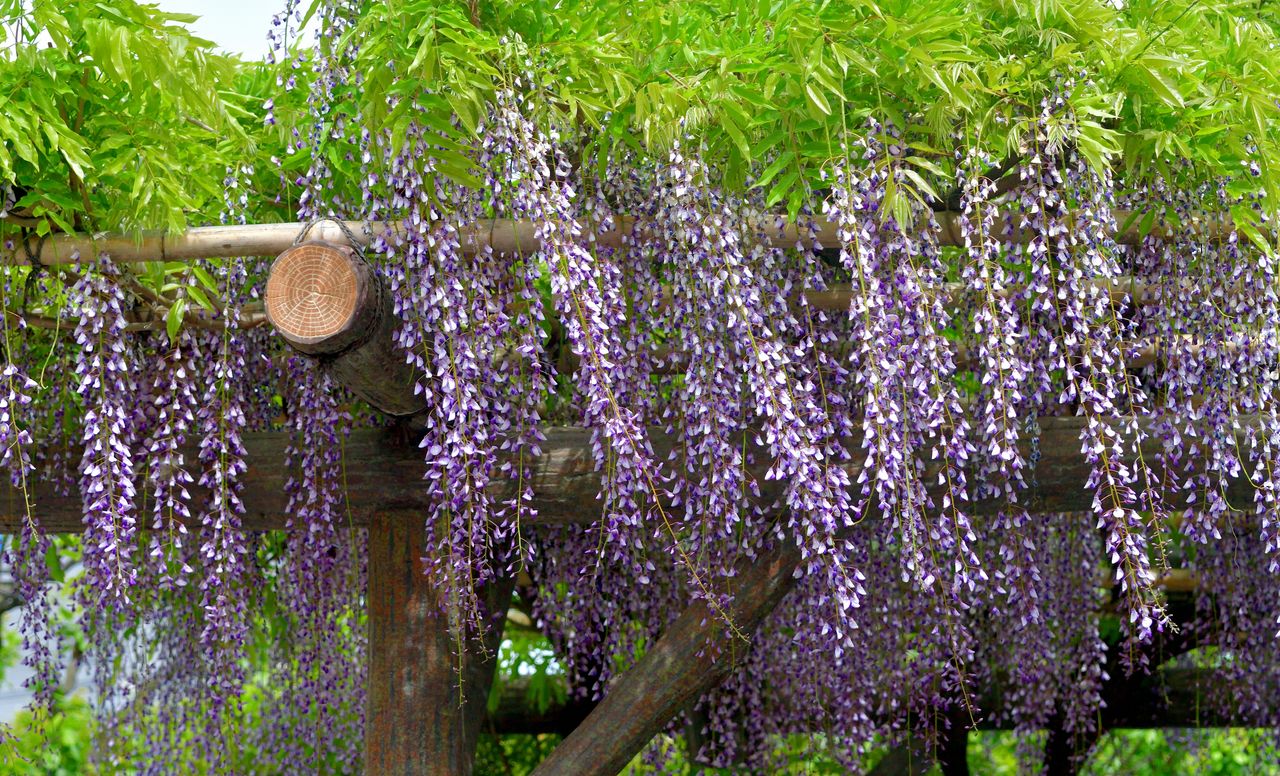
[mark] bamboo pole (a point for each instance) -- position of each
(502, 235)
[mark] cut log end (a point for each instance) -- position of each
(314, 294)
(329, 302)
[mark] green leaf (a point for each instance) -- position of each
(781, 188)
(735, 134)
(773, 169)
(201, 299)
(53, 561)
(203, 276)
(173, 318)
(1164, 88)
(817, 99)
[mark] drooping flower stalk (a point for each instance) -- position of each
(176, 404)
(106, 467)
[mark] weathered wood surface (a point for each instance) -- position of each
(423, 715)
(212, 242)
(692, 656)
(384, 471)
(328, 302)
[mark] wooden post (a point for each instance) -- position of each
(424, 710)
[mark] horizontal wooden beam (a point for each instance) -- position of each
(1170, 697)
(503, 235)
(383, 470)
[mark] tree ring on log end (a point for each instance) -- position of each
(314, 294)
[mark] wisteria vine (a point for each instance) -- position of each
(895, 439)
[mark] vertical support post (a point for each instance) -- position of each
(423, 715)
(910, 758)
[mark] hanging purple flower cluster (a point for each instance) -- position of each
(903, 369)
(176, 404)
(107, 486)
(29, 553)
(315, 711)
(744, 367)
(893, 441)
(591, 312)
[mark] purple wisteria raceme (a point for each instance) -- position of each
(319, 672)
(175, 402)
(29, 553)
(590, 307)
(712, 407)
(1078, 333)
(744, 369)
(222, 554)
(903, 368)
(107, 486)
(472, 369)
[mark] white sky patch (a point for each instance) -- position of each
(235, 26)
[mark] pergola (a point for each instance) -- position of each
(330, 303)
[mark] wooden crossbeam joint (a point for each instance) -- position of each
(327, 301)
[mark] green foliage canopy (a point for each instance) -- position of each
(768, 89)
(118, 118)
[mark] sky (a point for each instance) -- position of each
(236, 26)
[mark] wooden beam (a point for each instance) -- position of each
(1170, 697)
(692, 656)
(327, 302)
(383, 470)
(425, 702)
(503, 235)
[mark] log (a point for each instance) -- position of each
(503, 235)
(695, 653)
(383, 470)
(328, 302)
(424, 710)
